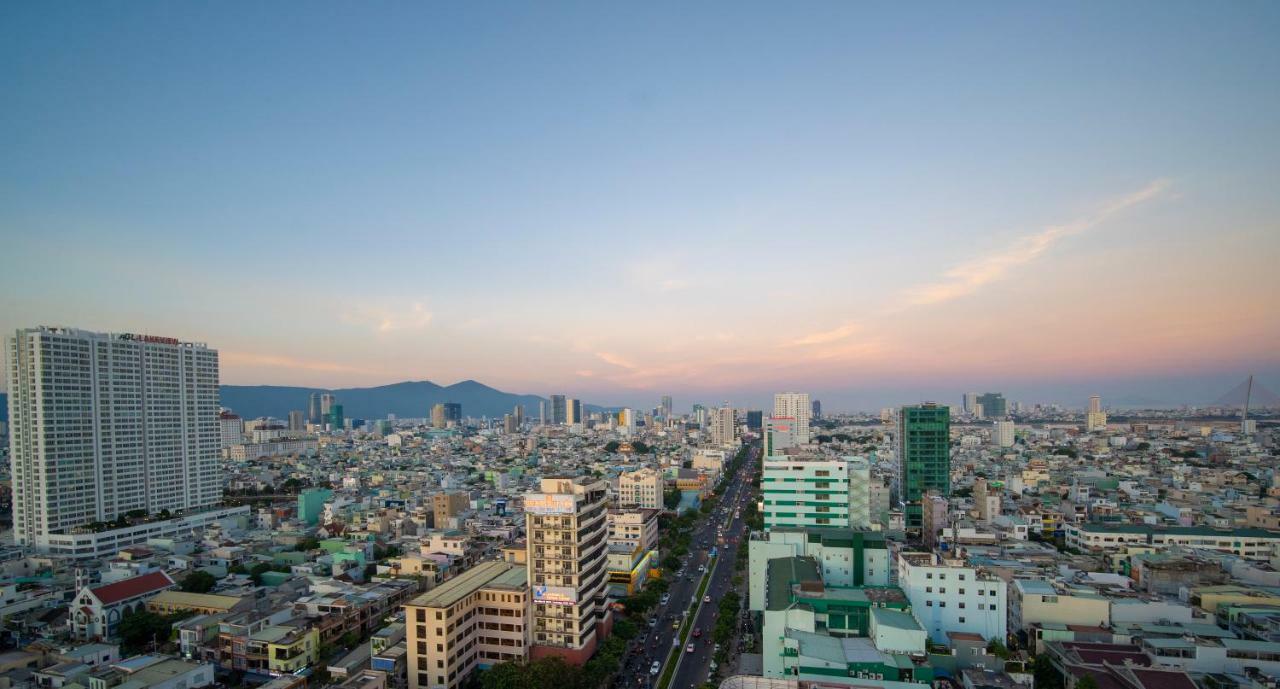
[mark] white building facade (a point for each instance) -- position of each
(950, 597)
(108, 423)
(795, 405)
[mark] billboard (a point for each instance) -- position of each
(554, 595)
(549, 503)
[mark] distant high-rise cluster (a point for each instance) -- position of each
(991, 405)
(444, 414)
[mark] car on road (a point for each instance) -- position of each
(706, 599)
(653, 621)
(702, 568)
(655, 668)
(717, 648)
(666, 597)
(675, 624)
(688, 649)
(697, 632)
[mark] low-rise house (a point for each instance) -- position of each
(97, 611)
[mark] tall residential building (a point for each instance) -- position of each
(297, 423)
(1096, 419)
(795, 405)
(473, 621)
(724, 429)
(817, 409)
(335, 418)
(567, 532)
(642, 488)
(314, 415)
(667, 409)
(572, 411)
(970, 403)
(327, 401)
(542, 413)
(518, 414)
(993, 405)
(755, 420)
(230, 429)
(924, 456)
(1002, 433)
(107, 423)
(558, 414)
(437, 415)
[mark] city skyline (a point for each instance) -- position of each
(884, 207)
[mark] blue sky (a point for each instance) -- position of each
(620, 201)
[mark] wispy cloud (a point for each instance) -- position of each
(255, 360)
(385, 319)
(825, 336)
(614, 359)
(968, 277)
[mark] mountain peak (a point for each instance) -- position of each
(407, 399)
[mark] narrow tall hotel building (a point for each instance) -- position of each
(567, 540)
(103, 424)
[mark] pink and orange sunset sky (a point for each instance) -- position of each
(872, 203)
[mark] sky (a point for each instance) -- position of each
(874, 203)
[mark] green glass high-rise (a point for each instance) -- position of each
(924, 456)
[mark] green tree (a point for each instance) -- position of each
(1087, 682)
(504, 676)
(306, 544)
(1046, 675)
(198, 582)
(139, 630)
(997, 649)
(625, 629)
(612, 446)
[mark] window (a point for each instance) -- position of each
(928, 604)
(928, 575)
(961, 605)
(962, 619)
(962, 592)
(942, 604)
(928, 589)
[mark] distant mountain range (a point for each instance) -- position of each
(406, 400)
(410, 399)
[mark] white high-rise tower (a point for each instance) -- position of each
(794, 405)
(107, 424)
